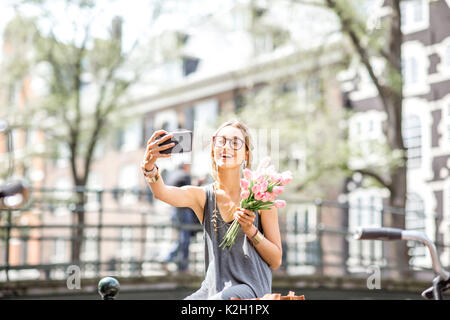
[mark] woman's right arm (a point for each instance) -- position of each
(185, 196)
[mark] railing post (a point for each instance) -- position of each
(8, 237)
(295, 237)
(319, 230)
(99, 231)
(143, 242)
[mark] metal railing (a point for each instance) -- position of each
(127, 233)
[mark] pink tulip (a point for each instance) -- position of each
(278, 189)
(245, 184)
(247, 174)
(259, 196)
(256, 189)
(286, 177)
(267, 196)
(276, 177)
(263, 186)
(280, 203)
(245, 194)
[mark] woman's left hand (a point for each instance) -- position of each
(246, 218)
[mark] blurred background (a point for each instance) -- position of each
(352, 96)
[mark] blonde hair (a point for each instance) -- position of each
(248, 143)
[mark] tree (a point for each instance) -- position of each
(369, 44)
(87, 80)
(383, 43)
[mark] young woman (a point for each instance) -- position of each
(245, 270)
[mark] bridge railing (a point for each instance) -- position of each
(128, 233)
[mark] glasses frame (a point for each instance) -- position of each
(226, 140)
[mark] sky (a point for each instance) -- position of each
(138, 19)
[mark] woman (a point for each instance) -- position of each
(245, 270)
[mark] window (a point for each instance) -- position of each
(59, 251)
(415, 213)
(415, 221)
(412, 137)
(241, 19)
(14, 93)
(149, 129)
(417, 11)
(90, 245)
(206, 112)
(447, 56)
(94, 183)
(126, 235)
(448, 122)
(308, 92)
(190, 65)
(365, 211)
(414, 68)
(302, 250)
(365, 134)
(167, 120)
(414, 15)
(410, 70)
(370, 125)
(62, 195)
(188, 118)
(132, 136)
(358, 128)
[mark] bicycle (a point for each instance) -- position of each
(441, 282)
(14, 194)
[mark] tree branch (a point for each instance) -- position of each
(373, 174)
(346, 23)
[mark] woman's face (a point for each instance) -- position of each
(226, 156)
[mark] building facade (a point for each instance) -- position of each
(426, 90)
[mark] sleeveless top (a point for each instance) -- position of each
(226, 267)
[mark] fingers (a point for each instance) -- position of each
(245, 217)
(155, 141)
(154, 153)
(247, 212)
(153, 148)
(167, 146)
(158, 133)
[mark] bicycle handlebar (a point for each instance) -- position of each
(11, 188)
(378, 234)
(399, 234)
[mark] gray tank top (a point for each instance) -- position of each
(240, 265)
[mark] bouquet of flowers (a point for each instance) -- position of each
(259, 190)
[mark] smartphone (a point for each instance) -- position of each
(182, 140)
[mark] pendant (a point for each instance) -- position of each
(214, 219)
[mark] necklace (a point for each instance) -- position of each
(216, 211)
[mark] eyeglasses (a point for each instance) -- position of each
(235, 142)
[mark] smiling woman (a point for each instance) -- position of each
(243, 271)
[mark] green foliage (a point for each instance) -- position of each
(85, 82)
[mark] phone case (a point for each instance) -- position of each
(182, 140)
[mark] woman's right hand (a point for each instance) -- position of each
(153, 149)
